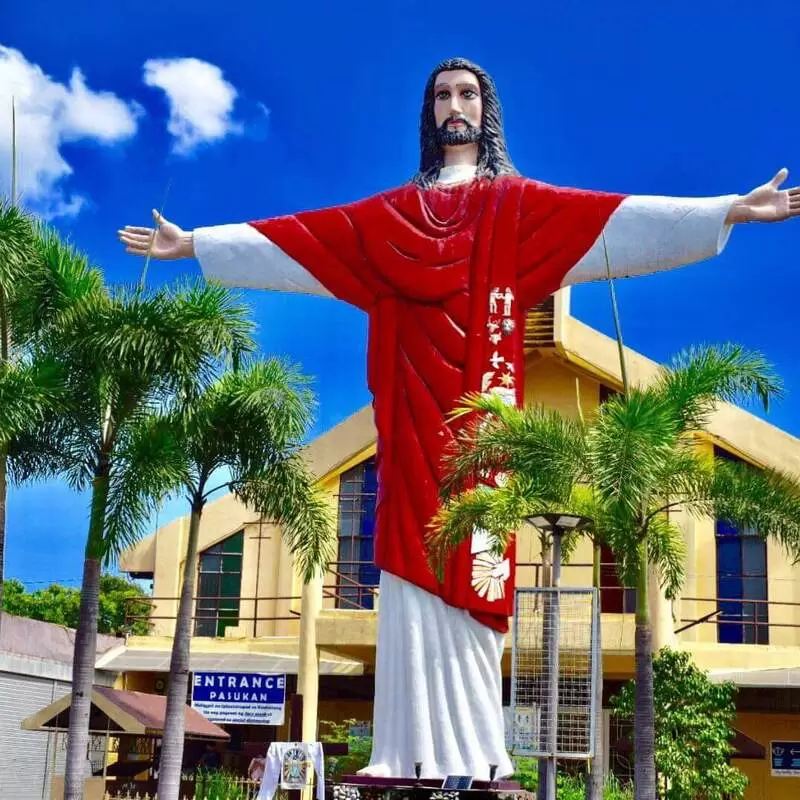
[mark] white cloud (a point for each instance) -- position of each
(200, 100)
(49, 114)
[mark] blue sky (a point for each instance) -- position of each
(290, 106)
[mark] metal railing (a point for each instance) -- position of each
(756, 619)
(741, 620)
(250, 611)
(216, 615)
(614, 598)
(348, 592)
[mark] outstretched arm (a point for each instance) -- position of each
(235, 255)
(649, 234)
(313, 252)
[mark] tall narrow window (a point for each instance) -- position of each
(357, 573)
(614, 597)
(219, 586)
(741, 586)
(742, 591)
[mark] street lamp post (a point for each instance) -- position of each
(556, 525)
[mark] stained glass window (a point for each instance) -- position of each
(219, 586)
(357, 573)
(741, 583)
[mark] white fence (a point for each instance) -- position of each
(233, 789)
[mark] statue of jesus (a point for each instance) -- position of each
(446, 266)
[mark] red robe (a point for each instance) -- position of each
(422, 264)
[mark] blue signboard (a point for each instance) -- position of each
(785, 758)
(240, 698)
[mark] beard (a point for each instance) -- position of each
(450, 138)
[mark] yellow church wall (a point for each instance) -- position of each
(167, 576)
(270, 589)
(701, 565)
(552, 383)
(783, 586)
(765, 728)
(556, 378)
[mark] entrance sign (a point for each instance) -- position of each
(785, 759)
(240, 698)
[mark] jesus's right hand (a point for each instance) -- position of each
(166, 242)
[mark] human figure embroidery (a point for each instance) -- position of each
(446, 266)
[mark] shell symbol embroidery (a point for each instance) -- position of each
(489, 576)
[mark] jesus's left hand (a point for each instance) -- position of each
(767, 203)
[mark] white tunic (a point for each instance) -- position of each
(438, 682)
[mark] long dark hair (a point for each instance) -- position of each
(493, 158)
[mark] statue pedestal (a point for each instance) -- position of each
(363, 787)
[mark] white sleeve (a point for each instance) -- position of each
(272, 773)
(238, 255)
(648, 234)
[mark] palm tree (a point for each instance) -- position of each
(31, 380)
(17, 252)
(124, 355)
(639, 460)
(248, 424)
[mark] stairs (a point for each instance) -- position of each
(540, 326)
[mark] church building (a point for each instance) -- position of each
(738, 614)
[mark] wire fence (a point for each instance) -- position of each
(555, 659)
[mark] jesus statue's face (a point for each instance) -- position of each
(457, 107)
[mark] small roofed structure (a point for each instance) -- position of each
(118, 712)
(127, 725)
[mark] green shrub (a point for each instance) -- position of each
(525, 772)
(359, 749)
(219, 785)
(694, 730)
(568, 787)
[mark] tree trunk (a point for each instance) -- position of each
(4, 351)
(644, 713)
(86, 644)
(3, 492)
(170, 766)
(595, 779)
(543, 764)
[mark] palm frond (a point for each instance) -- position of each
(272, 396)
(146, 467)
(29, 391)
(287, 494)
(628, 446)
(250, 422)
(246, 419)
(666, 551)
(699, 377)
(217, 312)
(457, 519)
(545, 446)
(149, 346)
(569, 544)
(501, 512)
(33, 458)
(764, 500)
(17, 245)
(60, 276)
